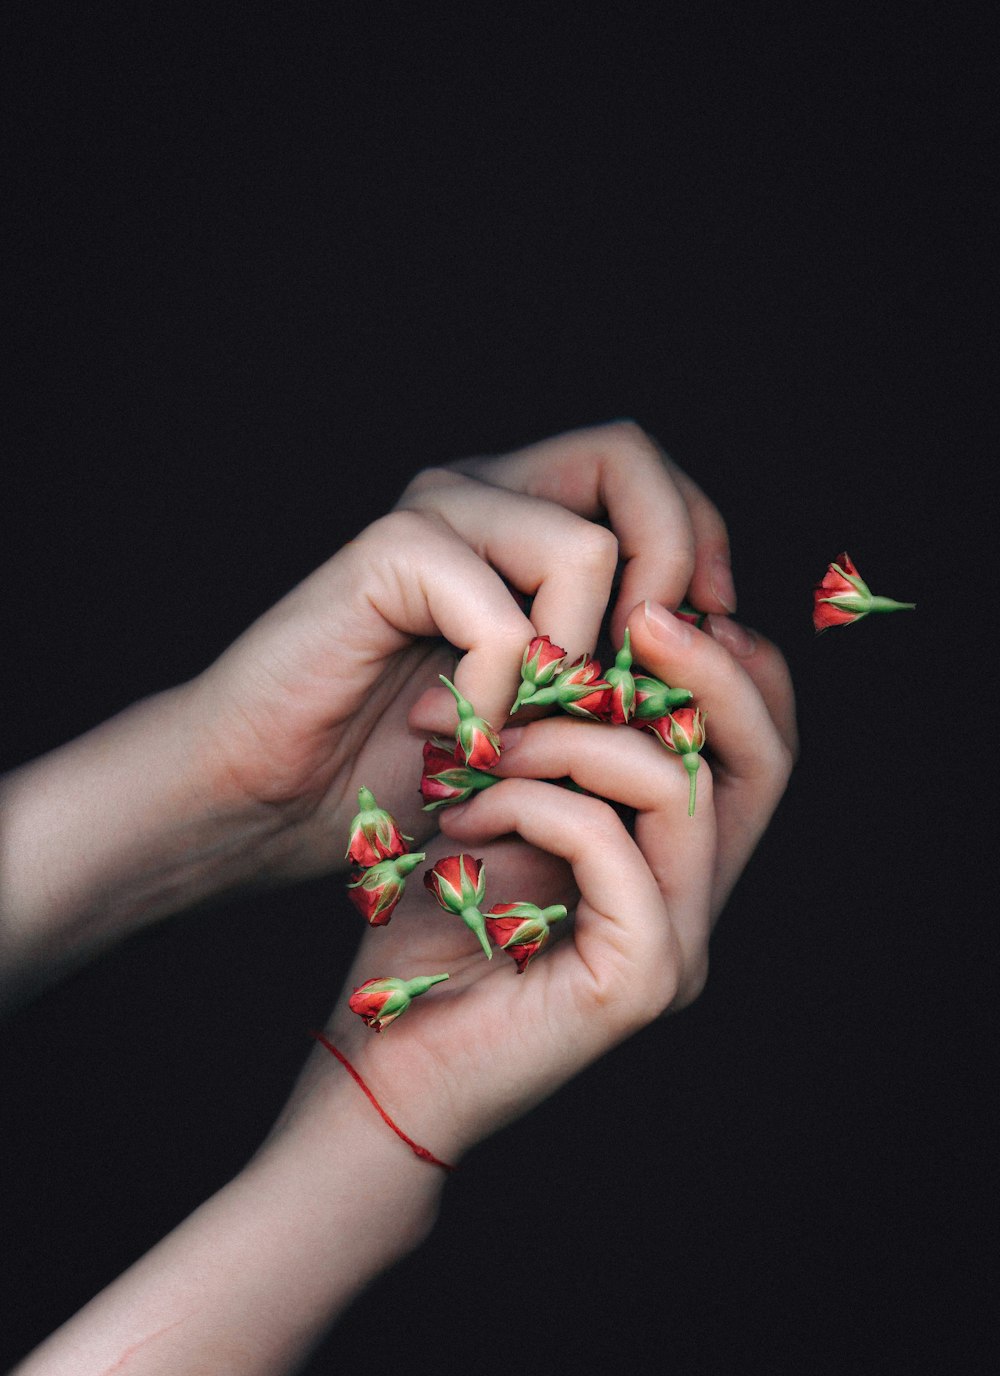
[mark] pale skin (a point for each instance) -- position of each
(249, 774)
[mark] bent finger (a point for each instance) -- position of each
(563, 561)
(672, 538)
(623, 935)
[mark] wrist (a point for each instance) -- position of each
(331, 1144)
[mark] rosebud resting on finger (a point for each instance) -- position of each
(458, 882)
(381, 1001)
(478, 742)
(654, 699)
(380, 888)
(620, 703)
(579, 690)
(374, 833)
(843, 596)
(540, 663)
(445, 781)
(522, 929)
(683, 732)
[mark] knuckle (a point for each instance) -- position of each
(426, 481)
(596, 549)
(693, 982)
(633, 442)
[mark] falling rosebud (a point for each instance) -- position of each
(445, 781)
(478, 742)
(522, 929)
(683, 732)
(380, 1001)
(540, 663)
(458, 882)
(654, 699)
(374, 833)
(843, 596)
(620, 703)
(380, 888)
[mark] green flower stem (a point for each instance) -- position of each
(690, 763)
(465, 707)
(473, 919)
(421, 983)
(886, 604)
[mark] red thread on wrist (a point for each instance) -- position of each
(422, 1152)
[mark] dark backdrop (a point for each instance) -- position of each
(260, 268)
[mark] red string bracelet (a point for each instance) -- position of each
(422, 1152)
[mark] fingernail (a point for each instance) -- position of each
(511, 737)
(732, 636)
(665, 627)
(720, 578)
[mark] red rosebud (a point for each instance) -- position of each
(458, 882)
(683, 731)
(620, 703)
(685, 612)
(445, 782)
(843, 596)
(522, 929)
(374, 833)
(583, 692)
(380, 1001)
(380, 888)
(478, 743)
(540, 663)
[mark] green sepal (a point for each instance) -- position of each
(661, 699)
(473, 919)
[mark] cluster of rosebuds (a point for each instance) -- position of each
(381, 860)
(620, 696)
(378, 850)
(458, 882)
(454, 770)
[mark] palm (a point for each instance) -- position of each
(305, 737)
(484, 1026)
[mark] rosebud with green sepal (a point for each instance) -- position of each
(522, 929)
(374, 833)
(445, 781)
(380, 888)
(683, 732)
(478, 743)
(843, 596)
(381, 1001)
(458, 882)
(620, 703)
(578, 689)
(654, 699)
(540, 663)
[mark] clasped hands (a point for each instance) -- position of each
(337, 686)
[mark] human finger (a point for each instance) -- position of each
(630, 767)
(409, 576)
(752, 754)
(563, 561)
(672, 538)
(628, 957)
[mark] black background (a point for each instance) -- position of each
(262, 267)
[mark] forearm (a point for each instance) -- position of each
(113, 831)
(251, 1281)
